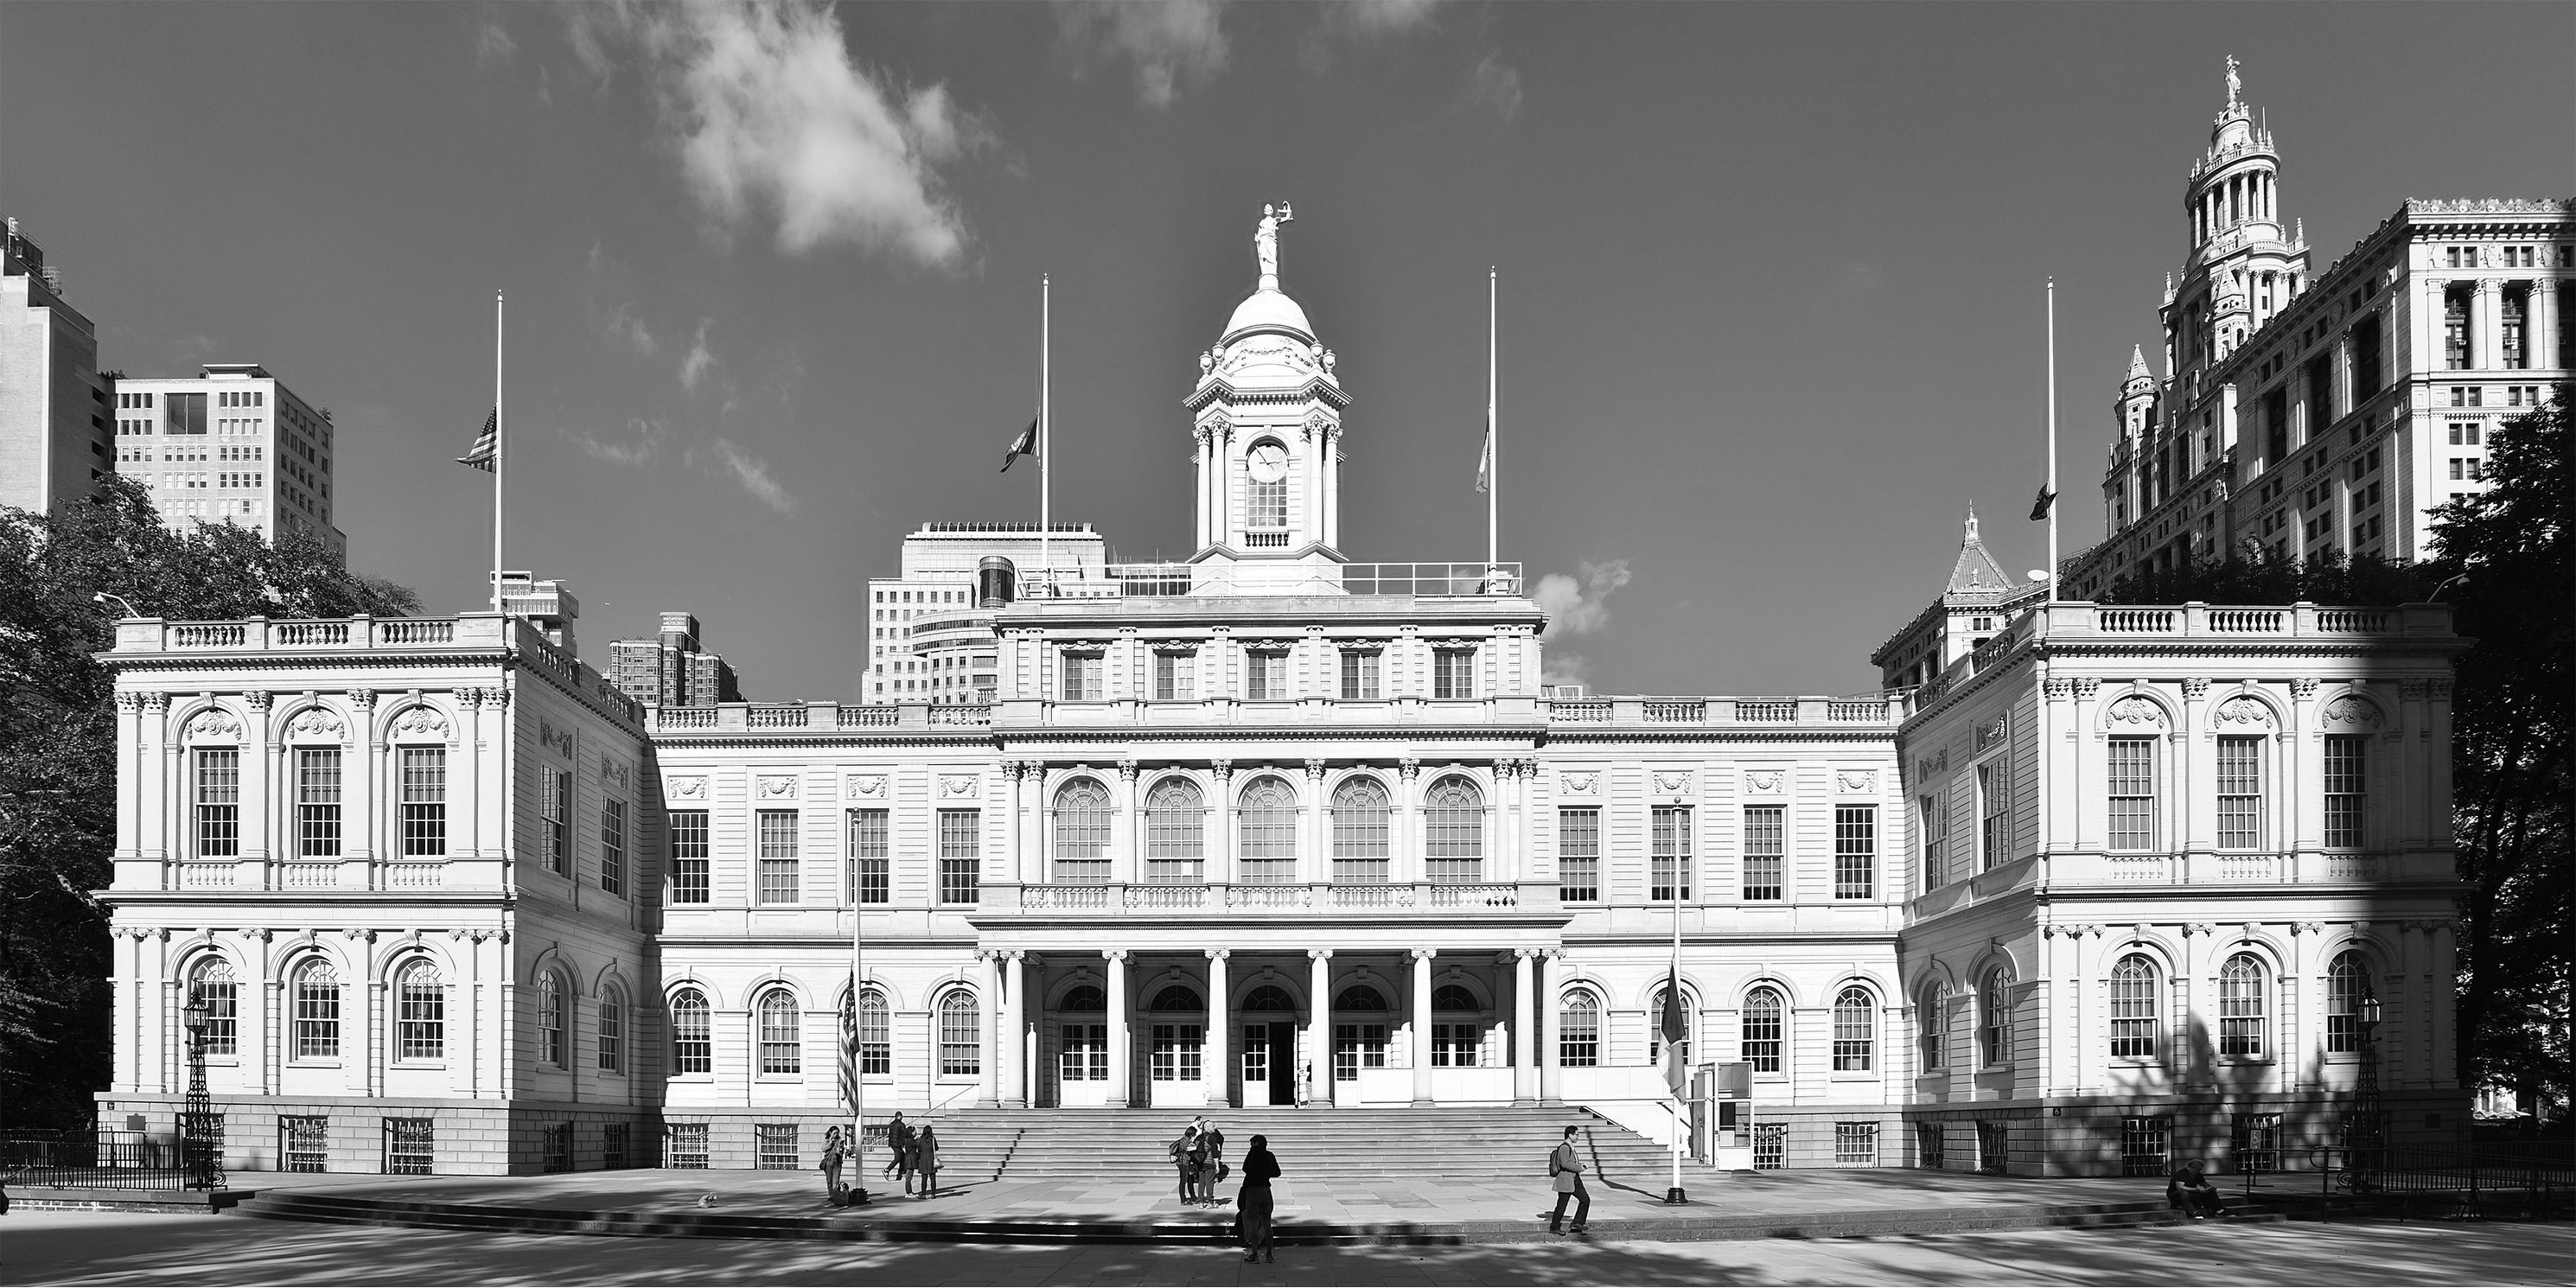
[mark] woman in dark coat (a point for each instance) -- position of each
(1252, 1203)
(925, 1159)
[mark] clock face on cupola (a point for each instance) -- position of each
(1267, 413)
(1269, 463)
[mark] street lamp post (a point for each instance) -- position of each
(2365, 1132)
(200, 1153)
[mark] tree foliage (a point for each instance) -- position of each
(58, 749)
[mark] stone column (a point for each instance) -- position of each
(1121, 1047)
(465, 777)
(2194, 761)
(1551, 1074)
(1127, 830)
(259, 795)
(1213, 1062)
(1422, 1024)
(2437, 783)
(2302, 757)
(1016, 835)
(1314, 862)
(2486, 325)
(1221, 817)
(1524, 1066)
(361, 829)
(1012, 1050)
(1319, 1026)
(1404, 862)
(996, 1025)
(157, 830)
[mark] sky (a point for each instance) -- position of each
(1771, 276)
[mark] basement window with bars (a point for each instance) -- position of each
(304, 1143)
(2145, 1146)
(774, 1147)
(1855, 1144)
(612, 1147)
(1994, 1147)
(411, 1145)
(1930, 1149)
(684, 1146)
(1770, 1146)
(558, 1143)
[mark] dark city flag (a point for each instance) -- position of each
(2039, 508)
(481, 457)
(1674, 1031)
(1025, 445)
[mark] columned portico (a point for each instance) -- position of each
(1122, 1043)
(1217, 1069)
(1422, 1024)
(1524, 1065)
(1318, 1061)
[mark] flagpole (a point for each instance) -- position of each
(500, 420)
(1046, 424)
(2052, 440)
(1493, 428)
(1673, 984)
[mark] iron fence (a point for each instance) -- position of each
(104, 1160)
(2485, 1182)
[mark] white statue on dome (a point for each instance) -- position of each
(2235, 87)
(1265, 242)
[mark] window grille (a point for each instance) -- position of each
(2254, 1143)
(1934, 1024)
(1855, 851)
(1762, 1024)
(688, 856)
(1855, 1031)
(216, 987)
(2240, 793)
(1175, 832)
(420, 1014)
(1670, 832)
(411, 1145)
(871, 858)
(1266, 831)
(2347, 987)
(1578, 1032)
(317, 802)
(2241, 1009)
(774, 1148)
(1361, 810)
(876, 1033)
(961, 1036)
(554, 814)
(1359, 675)
(1081, 821)
(304, 1143)
(1453, 829)
(2132, 769)
(1578, 854)
(1763, 854)
(612, 847)
(550, 1019)
(1930, 1151)
(612, 1033)
(558, 1146)
(612, 1146)
(1855, 1144)
(317, 1013)
(2345, 789)
(961, 834)
(782, 1034)
(2144, 1147)
(1770, 1146)
(2133, 1008)
(1997, 1034)
(424, 802)
(692, 1034)
(1453, 674)
(1994, 1147)
(218, 802)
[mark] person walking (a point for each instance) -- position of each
(1253, 1202)
(836, 1154)
(1565, 1172)
(925, 1159)
(899, 1152)
(1184, 1154)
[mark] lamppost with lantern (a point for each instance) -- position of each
(2365, 1130)
(201, 1153)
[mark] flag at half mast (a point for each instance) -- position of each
(1674, 1028)
(1485, 462)
(2039, 508)
(1024, 445)
(485, 444)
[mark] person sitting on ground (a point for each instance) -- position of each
(2189, 1190)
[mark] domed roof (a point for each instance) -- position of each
(1268, 309)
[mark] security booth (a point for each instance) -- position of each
(1722, 1116)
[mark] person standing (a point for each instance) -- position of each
(1565, 1172)
(925, 1159)
(1211, 1163)
(1253, 1201)
(1185, 1162)
(836, 1154)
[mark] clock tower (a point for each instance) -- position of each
(1267, 418)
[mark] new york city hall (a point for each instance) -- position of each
(2085, 887)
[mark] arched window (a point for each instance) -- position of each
(782, 1037)
(1578, 1030)
(1855, 1031)
(1267, 828)
(693, 1048)
(874, 1038)
(1177, 997)
(1175, 832)
(1361, 808)
(1082, 833)
(612, 1031)
(1996, 1035)
(1454, 997)
(1359, 997)
(2241, 1007)
(1933, 1022)
(2133, 1008)
(1269, 999)
(1655, 1026)
(2347, 990)
(215, 987)
(420, 1013)
(1084, 998)
(1762, 1037)
(961, 1036)
(1265, 489)
(1453, 831)
(550, 1019)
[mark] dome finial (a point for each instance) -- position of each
(2235, 86)
(1265, 243)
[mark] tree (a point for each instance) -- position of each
(58, 749)
(2511, 724)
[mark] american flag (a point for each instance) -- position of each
(485, 444)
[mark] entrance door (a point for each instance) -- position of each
(1283, 1064)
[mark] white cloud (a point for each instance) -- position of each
(698, 363)
(1565, 668)
(774, 123)
(753, 473)
(1577, 605)
(1171, 42)
(639, 444)
(1498, 86)
(626, 326)
(1363, 18)
(492, 43)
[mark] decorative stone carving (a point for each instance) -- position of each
(2244, 710)
(872, 786)
(1936, 763)
(156, 702)
(418, 722)
(2351, 709)
(2411, 690)
(1315, 770)
(2250, 930)
(957, 784)
(129, 702)
(258, 699)
(1993, 731)
(1221, 770)
(559, 741)
(775, 786)
(1763, 781)
(2057, 689)
(611, 771)
(1583, 784)
(2086, 686)
(691, 788)
(1857, 780)
(1408, 769)
(214, 724)
(2136, 709)
(2303, 688)
(315, 722)
(2194, 689)
(2438, 690)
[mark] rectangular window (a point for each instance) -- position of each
(1578, 854)
(961, 834)
(317, 802)
(871, 858)
(1265, 676)
(424, 802)
(1855, 851)
(1855, 1144)
(1930, 1149)
(2132, 766)
(411, 1145)
(1994, 1147)
(612, 1147)
(1933, 815)
(2345, 793)
(2240, 793)
(1081, 677)
(689, 856)
(1174, 678)
(1357, 1047)
(1082, 1052)
(218, 802)
(557, 1141)
(1993, 802)
(612, 847)
(304, 1142)
(1359, 675)
(774, 1148)
(1453, 1046)
(1453, 674)
(1763, 852)
(554, 817)
(2144, 1150)
(2254, 1143)
(2455, 332)
(1770, 1146)
(777, 856)
(183, 413)
(1176, 1052)
(1671, 859)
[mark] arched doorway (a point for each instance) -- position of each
(1082, 1048)
(1269, 1047)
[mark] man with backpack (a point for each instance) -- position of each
(1565, 1172)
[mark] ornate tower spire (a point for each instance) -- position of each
(1267, 417)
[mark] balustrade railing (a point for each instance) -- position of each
(308, 876)
(206, 875)
(1676, 712)
(1156, 897)
(1474, 896)
(1766, 711)
(869, 717)
(415, 876)
(1873, 711)
(1579, 712)
(775, 717)
(961, 715)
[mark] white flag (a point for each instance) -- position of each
(1485, 462)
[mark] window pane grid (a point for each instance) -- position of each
(1855, 1032)
(2240, 793)
(1578, 854)
(1359, 675)
(317, 1013)
(1855, 851)
(1762, 1034)
(775, 831)
(1992, 803)
(782, 1042)
(218, 803)
(1453, 674)
(420, 1023)
(1081, 840)
(424, 802)
(2132, 769)
(317, 802)
(871, 859)
(693, 1048)
(216, 988)
(554, 794)
(2133, 1009)
(1762, 852)
(1670, 829)
(2241, 1007)
(876, 1034)
(961, 1037)
(1453, 830)
(1266, 833)
(689, 856)
(612, 847)
(1361, 813)
(2344, 791)
(960, 855)
(2347, 986)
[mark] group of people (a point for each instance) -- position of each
(1198, 1155)
(908, 1152)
